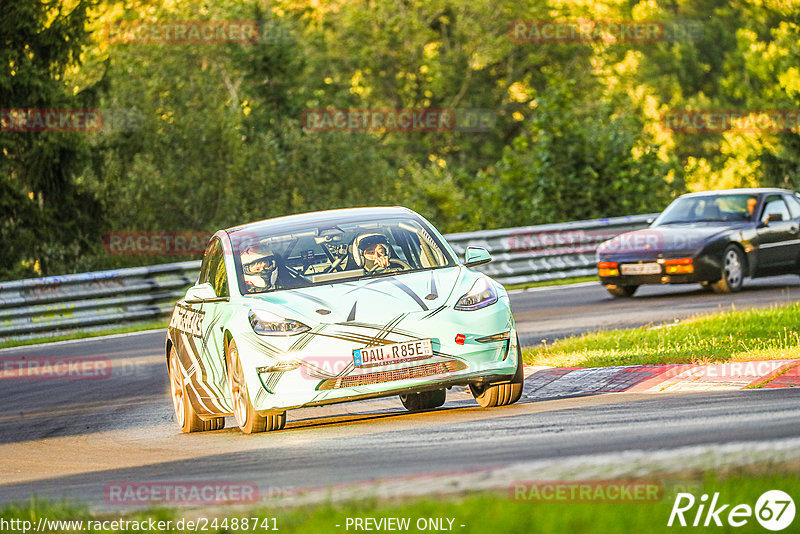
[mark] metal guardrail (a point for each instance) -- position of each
(54, 305)
(547, 251)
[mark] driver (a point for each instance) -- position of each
(376, 251)
(260, 269)
(751, 205)
(378, 255)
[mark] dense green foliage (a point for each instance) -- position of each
(203, 136)
(47, 220)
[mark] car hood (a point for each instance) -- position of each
(689, 238)
(375, 300)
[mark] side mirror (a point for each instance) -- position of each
(476, 256)
(200, 293)
(650, 220)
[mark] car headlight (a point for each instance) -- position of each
(269, 324)
(481, 295)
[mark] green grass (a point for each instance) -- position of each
(149, 325)
(559, 282)
(484, 512)
(722, 337)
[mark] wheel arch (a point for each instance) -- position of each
(226, 338)
(746, 262)
(167, 348)
(715, 253)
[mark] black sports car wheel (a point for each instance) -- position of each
(427, 400)
(185, 415)
(496, 394)
(732, 272)
(621, 291)
(489, 396)
(249, 421)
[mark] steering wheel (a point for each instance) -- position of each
(377, 268)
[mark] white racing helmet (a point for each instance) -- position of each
(366, 244)
(260, 267)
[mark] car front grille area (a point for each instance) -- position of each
(378, 377)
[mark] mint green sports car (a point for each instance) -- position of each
(336, 306)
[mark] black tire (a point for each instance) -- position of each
(519, 376)
(249, 421)
(489, 396)
(621, 291)
(185, 414)
(731, 272)
(427, 400)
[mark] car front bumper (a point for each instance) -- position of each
(325, 371)
(706, 269)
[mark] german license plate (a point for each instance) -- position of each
(641, 268)
(393, 353)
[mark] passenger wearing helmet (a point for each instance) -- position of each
(260, 269)
(373, 251)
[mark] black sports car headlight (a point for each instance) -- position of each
(481, 295)
(269, 324)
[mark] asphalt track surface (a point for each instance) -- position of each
(72, 437)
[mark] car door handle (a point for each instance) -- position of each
(794, 229)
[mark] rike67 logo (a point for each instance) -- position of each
(774, 510)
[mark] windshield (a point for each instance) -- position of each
(332, 253)
(709, 208)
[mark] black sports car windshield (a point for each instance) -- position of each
(329, 253)
(708, 208)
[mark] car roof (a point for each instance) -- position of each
(328, 216)
(740, 191)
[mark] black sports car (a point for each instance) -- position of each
(716, 238)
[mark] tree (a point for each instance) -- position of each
(47, 219)
(577, 159)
